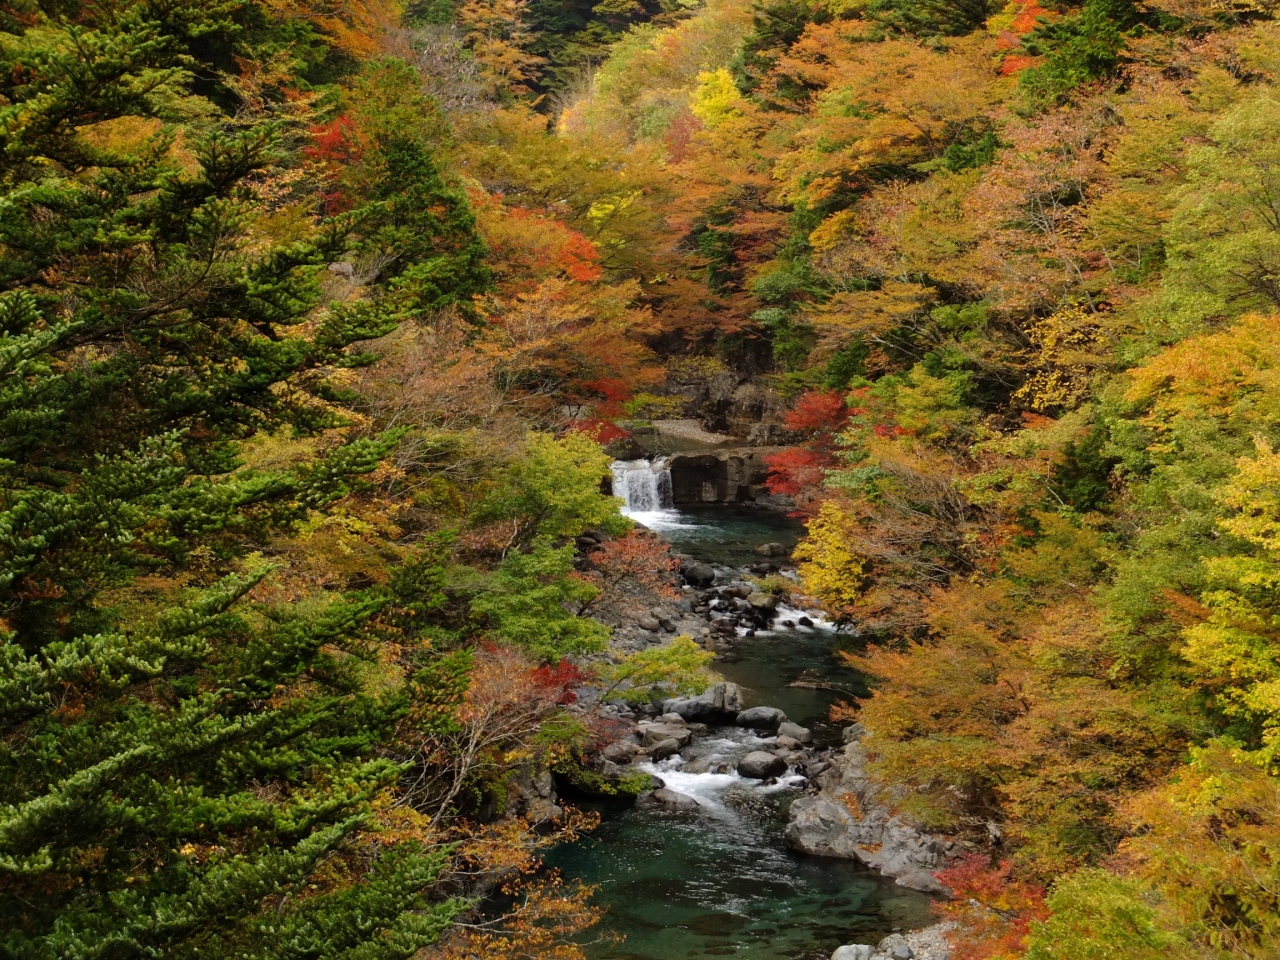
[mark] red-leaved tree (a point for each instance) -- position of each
(798, 472)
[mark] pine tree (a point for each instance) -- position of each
(183, 771)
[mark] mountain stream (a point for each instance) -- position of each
(718, 880)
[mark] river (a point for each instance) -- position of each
(719, 881)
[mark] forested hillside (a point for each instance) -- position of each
(316, 318)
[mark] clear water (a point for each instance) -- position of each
(767, 665)
(724, 534)
(719, 881)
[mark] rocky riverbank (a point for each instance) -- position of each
(847, 817)
(840, 812)
(843, 812)
(931, 943)
(721, 756)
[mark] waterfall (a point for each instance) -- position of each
(644, 485)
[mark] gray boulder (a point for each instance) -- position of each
(649, 623)
(788, 743)
(895, 947)
(823, 825)
(853, 732)
(653, 733)
(766, 602)
(675, 800)
(761, 718)
(700, 575)
(925, 882)
(772, 550)
(721, 702)
(620, 752)
(853, 951)
(795, 731)
(664, 748)
(824, 828)
(761, 766)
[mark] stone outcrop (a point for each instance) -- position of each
(720, 704)
(866, 830)
(532, 794)
(735, 475)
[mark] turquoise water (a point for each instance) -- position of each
(719, 881)
(766, 665)
(723, 534)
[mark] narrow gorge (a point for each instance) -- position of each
(741, 845)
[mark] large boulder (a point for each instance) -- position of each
(664, 748)
(823, 825)
(761, 766)
(652, 733)
(761, 718)
(772, 550)
(825, 828)
(795, 731)
(620, 752)
(674, 799)
(721, 702)
(853, 951)
(699, 575)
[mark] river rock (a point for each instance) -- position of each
(896, 947)
(671, 798)
(788, 743)
(761, 718)
(824, 826)
(853, 732)
(772, 550)
(761, 766)
(664, 748)
(654, 733)
(795, 732)
(620, 752)
(666, 717)
(700, 575)
(722, 701)
(853, 951)
(931, 943)
(763, 601)
(649, 623)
